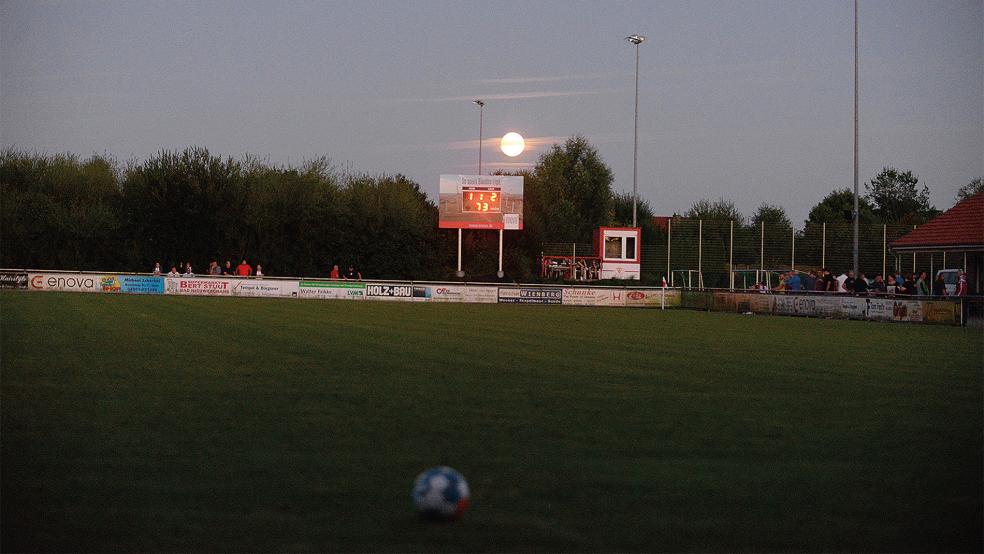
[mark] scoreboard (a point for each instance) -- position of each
(481, 199)
(481, 202)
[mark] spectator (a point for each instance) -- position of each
(833, 285)
(259, 271)
(841, 280)
(899, 279)
(793, 282)
(962, 288)
(173, 272)
(188, 272)
(922, 286)
(810, 281)
(352, 275)
(822, 282)
(334, 272)
(157, 268)
(939, 285)
(214, 269)
(909, 286)
(890, 288)
(781, 286)
(244, 269)
(879, 285)
(228, 269)
(861, 284)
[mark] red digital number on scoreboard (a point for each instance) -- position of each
(481, 199)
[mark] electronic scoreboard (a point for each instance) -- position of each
(481, 202)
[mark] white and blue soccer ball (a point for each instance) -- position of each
(441, 493)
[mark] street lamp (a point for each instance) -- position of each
(637, 40)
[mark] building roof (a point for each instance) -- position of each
(960, 228)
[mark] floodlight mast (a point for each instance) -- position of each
(636, 40)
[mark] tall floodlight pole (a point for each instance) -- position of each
(637, 40)
(481, 109)
(857, 215)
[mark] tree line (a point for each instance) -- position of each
(64, 212)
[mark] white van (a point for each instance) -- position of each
(950, 277)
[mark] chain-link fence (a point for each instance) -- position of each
(722, 254)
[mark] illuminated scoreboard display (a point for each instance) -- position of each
(481, 199)
(481, 202)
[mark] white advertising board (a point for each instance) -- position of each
(195, 286)
(64, 282)
(652, 298)
(478, 294)
(334, 290)
(390, 291)
(594, 297)
(266, 289)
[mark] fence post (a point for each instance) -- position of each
(792, 261)
(823, 246)
(944, 261)
(700, 247)
(913, 255)
(669, 240)
(762, 249)
(731, 254)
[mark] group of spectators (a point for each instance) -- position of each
(350, 274)
(214, 269)
(897, 284)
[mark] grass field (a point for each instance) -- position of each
(164, 423)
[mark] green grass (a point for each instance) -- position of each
(162, 423)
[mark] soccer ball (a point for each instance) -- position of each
(440, 493)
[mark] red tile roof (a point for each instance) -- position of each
(961, 225)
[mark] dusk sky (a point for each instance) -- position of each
(750, 101)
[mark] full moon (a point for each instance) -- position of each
(512, 144)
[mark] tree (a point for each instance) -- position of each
(720, 210)
(774, 216)
(970, 189)
(897, 200)
(838, 207)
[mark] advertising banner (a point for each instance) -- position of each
(342, 290)
(519, 295)
(13, 280)
(65, 282)
(198, 286)
(907, 310)
(593, 297)
(854, 308)
(723, 302)
(695, 299)
(478, 294)
(940, 311)
(132, 284)
(652, 298)
(265, 289)
(387, 291)
(756, 303)
(445, 293)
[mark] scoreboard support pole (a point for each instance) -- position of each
(460, 273)
(500, 273)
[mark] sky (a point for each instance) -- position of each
(750, 101)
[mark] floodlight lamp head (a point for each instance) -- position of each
(478, 102)
(635, 39)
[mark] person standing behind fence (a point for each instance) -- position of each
(922, 287)
(939, 285)
(244, 269)
(213, 268)
(861, 284)
(793, 281)
(962, 288)
(334, 275)
(228, 269)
